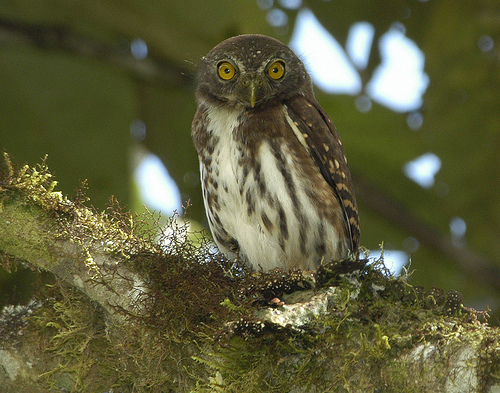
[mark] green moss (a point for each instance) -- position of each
(366, 333)
(28, 223)
(199, 323)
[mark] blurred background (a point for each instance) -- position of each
(105, 88)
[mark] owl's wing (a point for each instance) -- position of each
(328, 153)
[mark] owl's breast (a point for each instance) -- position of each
(260, 199)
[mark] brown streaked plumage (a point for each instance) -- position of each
(275, 180)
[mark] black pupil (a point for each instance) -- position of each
(275, 70)
(227, 70)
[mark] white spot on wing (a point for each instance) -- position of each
(295, 129)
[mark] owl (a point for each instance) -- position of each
(276, 186)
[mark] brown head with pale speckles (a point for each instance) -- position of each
(252, 70)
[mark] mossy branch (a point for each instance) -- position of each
(78, 245)
(116, 308)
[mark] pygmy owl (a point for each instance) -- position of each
(274, 174)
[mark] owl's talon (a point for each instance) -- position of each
(276, 302)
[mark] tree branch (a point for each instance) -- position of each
(63, 39)
(484, 269)
(191, 321)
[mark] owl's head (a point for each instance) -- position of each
(251, 70)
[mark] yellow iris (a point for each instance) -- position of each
(226, 70)
(276, 70)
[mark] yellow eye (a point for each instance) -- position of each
(226, 70)
(276, 70)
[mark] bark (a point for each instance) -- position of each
(116, 309)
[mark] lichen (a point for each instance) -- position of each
(200, 322)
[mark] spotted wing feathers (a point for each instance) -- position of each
(326, 149)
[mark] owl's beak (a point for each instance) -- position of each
(250, 86)
(253, 93)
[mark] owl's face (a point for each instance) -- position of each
(252, 70)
